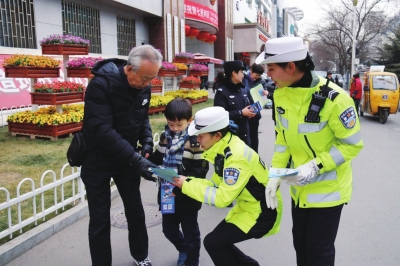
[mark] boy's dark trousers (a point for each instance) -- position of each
(189, 242)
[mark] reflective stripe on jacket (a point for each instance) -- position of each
(248, 189)
(334, 142)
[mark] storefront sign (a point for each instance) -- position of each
(195, 11)
(262, 37)
(176, 35)
(169, 38)
(263, 21)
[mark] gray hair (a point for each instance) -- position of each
(144, 52)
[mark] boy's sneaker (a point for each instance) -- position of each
(145, 262)
(181, 259)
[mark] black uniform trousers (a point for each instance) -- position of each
(189, 242)
(314, 233)
(97, 184)
(220, 246)
(253, 130)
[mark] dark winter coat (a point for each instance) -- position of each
(192, 165)
(115, 118)
(233, 98)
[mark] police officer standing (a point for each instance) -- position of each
(329, 76)
(232, 96)
(318, 127)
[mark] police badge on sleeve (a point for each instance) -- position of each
(348, 118)
(231, 176)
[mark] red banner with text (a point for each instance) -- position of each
(198, 12)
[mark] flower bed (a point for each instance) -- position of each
(184, 57)
(79, 72)
(82, 67)
(64, 45)
(31, 66)
(48, 116)
(194, 96)
(57, 93)
(189, 85)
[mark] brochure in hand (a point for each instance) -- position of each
(258, 96)
(282, 172)
(165, 173)
(256, 107)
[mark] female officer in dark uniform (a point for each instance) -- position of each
(233, 98)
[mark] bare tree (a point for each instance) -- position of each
(334, 31)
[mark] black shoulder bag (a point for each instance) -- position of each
(77, 150)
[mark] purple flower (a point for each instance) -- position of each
(64, 39)
(184, 55)
(168, 66)
(198, 67)
(88, 62)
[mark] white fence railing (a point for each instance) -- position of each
(5, 112)
(78, 193)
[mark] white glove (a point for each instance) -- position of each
(270, 192)
(306, 174)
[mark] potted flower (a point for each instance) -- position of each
(198, 70)
(181, 68)
(156, 85)
(46, 121)
(184, 57)
(158, 103)
(31, 66)
(167, 70)
(190, 82)
(64, 45)
(194, 96)
(57, 93)
(82, 67)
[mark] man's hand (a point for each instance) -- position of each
(248, 112)
(147, 150)
(270, 192)
(142, 165)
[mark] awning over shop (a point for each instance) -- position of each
(202, 58)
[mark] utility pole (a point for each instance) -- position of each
(353, 47)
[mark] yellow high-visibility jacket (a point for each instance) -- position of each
(242, 177)
(333, 142)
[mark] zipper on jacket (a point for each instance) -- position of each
(308, 144)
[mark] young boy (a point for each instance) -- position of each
(181, 152)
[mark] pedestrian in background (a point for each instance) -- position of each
(232, 96)
(329, 76)
(218, 81)
(356, 91)
(251, 80)
(115, 120)
(239, 175)
(181, 152)
(318, 127)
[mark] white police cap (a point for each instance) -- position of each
(282, 50)
(209, 119)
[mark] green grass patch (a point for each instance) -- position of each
(22, 157)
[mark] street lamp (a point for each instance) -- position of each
(353, 47)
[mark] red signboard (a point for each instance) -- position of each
(14, 92)
(195, 11)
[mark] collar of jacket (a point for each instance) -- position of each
(236, 87)
(218, 147)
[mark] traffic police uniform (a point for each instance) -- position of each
(239, 175)
(333, 139)
(233, 98)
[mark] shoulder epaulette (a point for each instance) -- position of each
(193, 142)
(331, 94)
(227, 152)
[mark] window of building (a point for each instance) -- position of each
(82, 21)
(17, 24)
(125, 34)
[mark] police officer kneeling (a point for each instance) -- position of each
(239, 175)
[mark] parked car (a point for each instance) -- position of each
(321, 73)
